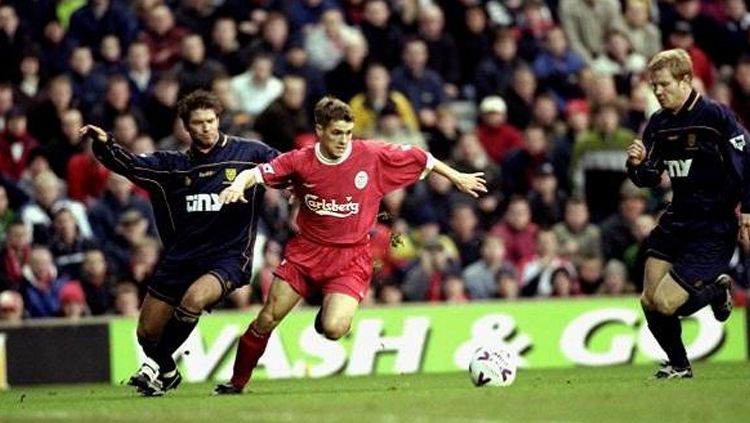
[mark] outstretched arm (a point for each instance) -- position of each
(473, 184)
(137, 167)
(236, 191)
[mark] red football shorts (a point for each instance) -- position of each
(311, 268)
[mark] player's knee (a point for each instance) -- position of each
(646, 302)
(146, 334)
(194, 302)
(335, 330)
(266, 321)
(665, 305)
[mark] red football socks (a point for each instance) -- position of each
(249, 350)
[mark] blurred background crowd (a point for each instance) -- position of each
(541, 95)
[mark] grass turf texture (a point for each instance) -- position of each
(718, 393)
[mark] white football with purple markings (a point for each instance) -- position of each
(493, 366)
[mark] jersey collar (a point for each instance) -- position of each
(328, 162)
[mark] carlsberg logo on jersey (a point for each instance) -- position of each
(203, 202)
(325, 207)
(678, 168)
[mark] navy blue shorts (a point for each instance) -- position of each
(171, 280)
(699, 250)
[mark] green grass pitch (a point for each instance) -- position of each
(718, 393)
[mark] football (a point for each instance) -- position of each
(493, 366)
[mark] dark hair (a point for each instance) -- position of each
(330, 109)
(199, 99)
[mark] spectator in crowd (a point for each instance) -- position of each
(225, 46)
(256, 88)
(520, 164)
(161, 106)
(139, 73)
(495, 72)
(443, 137)
(73, 301)
(736, 25)
(16, 144)
(577, 121)
(497, 136)
(66, 243)
(232, 119)
(590, 274)
(14, 39)
(45, 118)
(474, 43)
(326, 40)
(62, 149)
(194, 69)
(368, 106)
(110, 60)
(88, 84)
(547, 273)
(127, 300)
(618, 229)
(48, 198)
(42, 284)
(520, 97)
(273, 40)
(31, 79)
(87, 177)
(585, 23)
(285, 118)
(119, 197)
(11, 307)
(383, 38)
(7, 215)
(635, 253)
(426, 280)
(55, 48)
(421, 85)
(680, 35)
(481, 276)
(615, 279)
(557, 66)
(391, 127)
(296, 62)
(545, 197)
(596, 165)
(347, 79)
(90, 23)
(441, 46)
(117, 101)
(98, 282)
(620, 60)
(162, 37)
(15, 255)
(464, 231)
(535, 23)
(518, 232)
(469, 156)
(640, 29)
(578, 237)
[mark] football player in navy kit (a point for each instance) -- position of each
(704, 151)
(207, 244)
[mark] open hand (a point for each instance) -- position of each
(473, 184)
(232, 194)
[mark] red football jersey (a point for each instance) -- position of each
(340, 199)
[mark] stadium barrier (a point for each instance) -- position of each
(384, 340)
(440, 338)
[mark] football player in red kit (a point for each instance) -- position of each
(339, 183)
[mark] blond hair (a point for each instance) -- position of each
(676, 61)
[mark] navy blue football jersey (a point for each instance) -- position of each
(703, 149)
(184, 188)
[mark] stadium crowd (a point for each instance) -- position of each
(543, 96)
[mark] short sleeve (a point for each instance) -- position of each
(401, 165)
